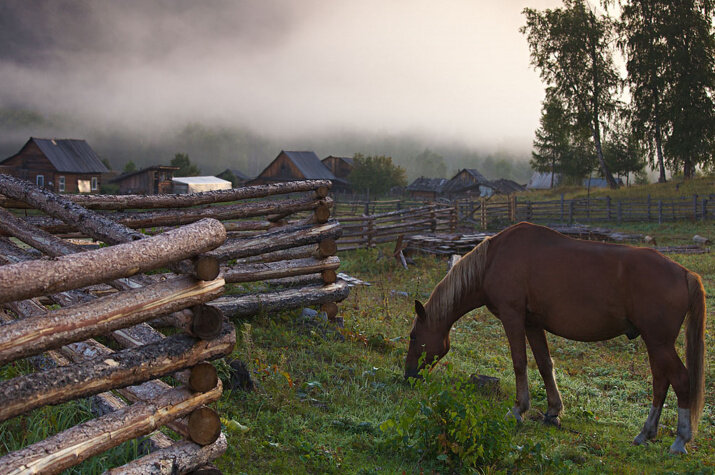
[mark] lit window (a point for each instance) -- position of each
(95, 181)
(40, 180)
(61, 183)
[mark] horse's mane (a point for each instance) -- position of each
(466, 276)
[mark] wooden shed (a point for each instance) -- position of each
(61, 165)
(293, 166)
(339, 166)
(147, 181)
(468, 182)
(426, 188)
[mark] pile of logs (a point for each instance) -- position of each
(207, 240)
(444, 244)
(367, 231)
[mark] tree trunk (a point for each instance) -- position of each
(32, 278)
(70, 447)
(31, 336)
(245, 305)
(123, 368)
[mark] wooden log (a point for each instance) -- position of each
(315, 251)
(276, 301)
(181, 457)
(274, 270)
(204, 426)
(70, 447)
(203, 377)
(32, 278)
(35, 237)
(330, 309)
(329, 276)
(115, 202)
(297, 281)
(31, 336)
(278, 240)
(123, 368)
(322, 213)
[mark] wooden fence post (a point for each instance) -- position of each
(571, 207)
(695, 207)
(620, 211)
(705, 209)
(608, 208)
(660, 211)
(648, 207)
(370, 231)
(562, 208)
(483, 209)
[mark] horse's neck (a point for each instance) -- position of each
(445, 308)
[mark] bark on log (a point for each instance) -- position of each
(32, 278)
(275, 270)
(325, 248)
(274, 241)
(31, 336)
(82, 441)
(182, 457)
(123, 368)
(115, 202)
(35, 237)
(276, 301)
(297, 281)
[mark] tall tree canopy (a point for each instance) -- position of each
(375, 175)
(670, 57)
(186, 168)
(570, 47)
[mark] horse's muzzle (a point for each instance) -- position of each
(412, 373)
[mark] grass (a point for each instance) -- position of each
(322, 393)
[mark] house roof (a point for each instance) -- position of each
(70, 155)
(199, 180)
(236, 173)
(146, 169)
(460, 182)
(427, 184)
(310, 165)
(347, 160)
(505, 186)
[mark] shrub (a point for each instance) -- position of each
(451, 423)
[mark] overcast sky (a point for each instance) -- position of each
(452, 70)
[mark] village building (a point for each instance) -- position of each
(196, 184)
(60, 165)
(147, 181)
(543, 181)
(507, 187)
(235, 176)
(468, 183)
(295, 166)
(339, 166)
(426, 188)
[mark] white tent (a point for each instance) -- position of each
(194, 184)
(542, 181)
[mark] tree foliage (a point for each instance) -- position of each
(130, 166)
(570, 48)
(375, 174)
(186, 168)
(430, 164)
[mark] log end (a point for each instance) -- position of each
(203, 377)
(206, 267)
(330, 308)
(322, 214)
(321, 191)
(207, 322)
(329, 276)
(204, 426)
(327, 248)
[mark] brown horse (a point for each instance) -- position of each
(534, 280)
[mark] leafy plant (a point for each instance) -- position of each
(451, 423)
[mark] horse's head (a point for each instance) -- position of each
(424, 338)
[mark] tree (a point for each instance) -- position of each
(130, 167)
(623, 148)
(430, 164)
(570, 48)
(186, 168)
(376, 175)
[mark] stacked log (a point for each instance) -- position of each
(284, 241)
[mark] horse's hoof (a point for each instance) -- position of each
(678, 448)
(552, 420)
(643, 438)
(511, 413)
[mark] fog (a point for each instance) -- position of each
(451, 72)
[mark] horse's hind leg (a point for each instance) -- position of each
(660, 389)
(540, 349)
(515, 333)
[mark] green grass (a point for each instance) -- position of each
(322, 393)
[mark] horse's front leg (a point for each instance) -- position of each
(540, 349)
(515, 333)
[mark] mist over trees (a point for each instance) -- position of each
(661, 113)
(376, 175)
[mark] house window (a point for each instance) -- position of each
(61, 183)
(95, 182)
(40, 180)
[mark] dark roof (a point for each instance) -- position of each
(310, 165)
(460, 183)
(236, 173)
(136, 172)
(505, 186)
(427, 184)
(347, 160)
(71, 155)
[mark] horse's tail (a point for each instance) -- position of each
(695, 347)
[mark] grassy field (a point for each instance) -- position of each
(322, 394)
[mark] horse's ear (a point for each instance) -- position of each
(420, 310)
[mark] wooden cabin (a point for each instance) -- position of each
(339, 166)
(426, 188)
(147, 181)
(468, 182)
(60, 165)
(507, 187)
(294, 166)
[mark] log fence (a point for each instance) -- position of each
(280, 235)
